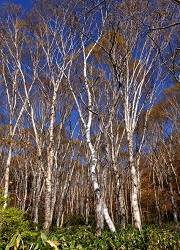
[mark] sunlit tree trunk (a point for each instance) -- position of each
(134, 186)
(101, 209)
(6, 177)
(49, 208)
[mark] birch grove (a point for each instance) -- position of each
(89, 115)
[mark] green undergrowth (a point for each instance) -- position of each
(18, 233)
(84, 237)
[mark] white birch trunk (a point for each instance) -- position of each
(101, 212)
(6, 176)
(47, 200)
(122, 207)
(135, 187)
(23, 206)
(49, 171)
(108, 219)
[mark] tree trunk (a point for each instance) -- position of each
(6, 176)
(47, 202)
(102, 211)
(99, 215)
(134, 187)
(122, 208)
(171, 193)
(157, 201)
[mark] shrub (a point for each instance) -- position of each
(12, 220)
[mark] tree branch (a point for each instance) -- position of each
(97, 5)
(165, 27)
(176, 1)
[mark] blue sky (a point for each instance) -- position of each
(24, 3)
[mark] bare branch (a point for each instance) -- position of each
(164, 27)
(176, 1)
(97, 5)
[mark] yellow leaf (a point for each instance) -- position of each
(53, 244)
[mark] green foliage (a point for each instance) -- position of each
(85, 238)
(12, 220)
(15, 242)
(32, 240)
(2, 200)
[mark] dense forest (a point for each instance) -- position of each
(90, 112)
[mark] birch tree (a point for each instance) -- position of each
(85, 105)
(51, 34)
(138, 69)
(14, 78)
(165, 145)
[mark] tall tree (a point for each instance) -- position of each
(13, 40)
(84, 101)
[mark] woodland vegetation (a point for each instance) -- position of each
(90, 113)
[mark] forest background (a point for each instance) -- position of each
(89, 112)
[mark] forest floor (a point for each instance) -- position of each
(74, 236)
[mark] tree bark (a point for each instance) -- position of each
(134, 186)
(6, 176)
